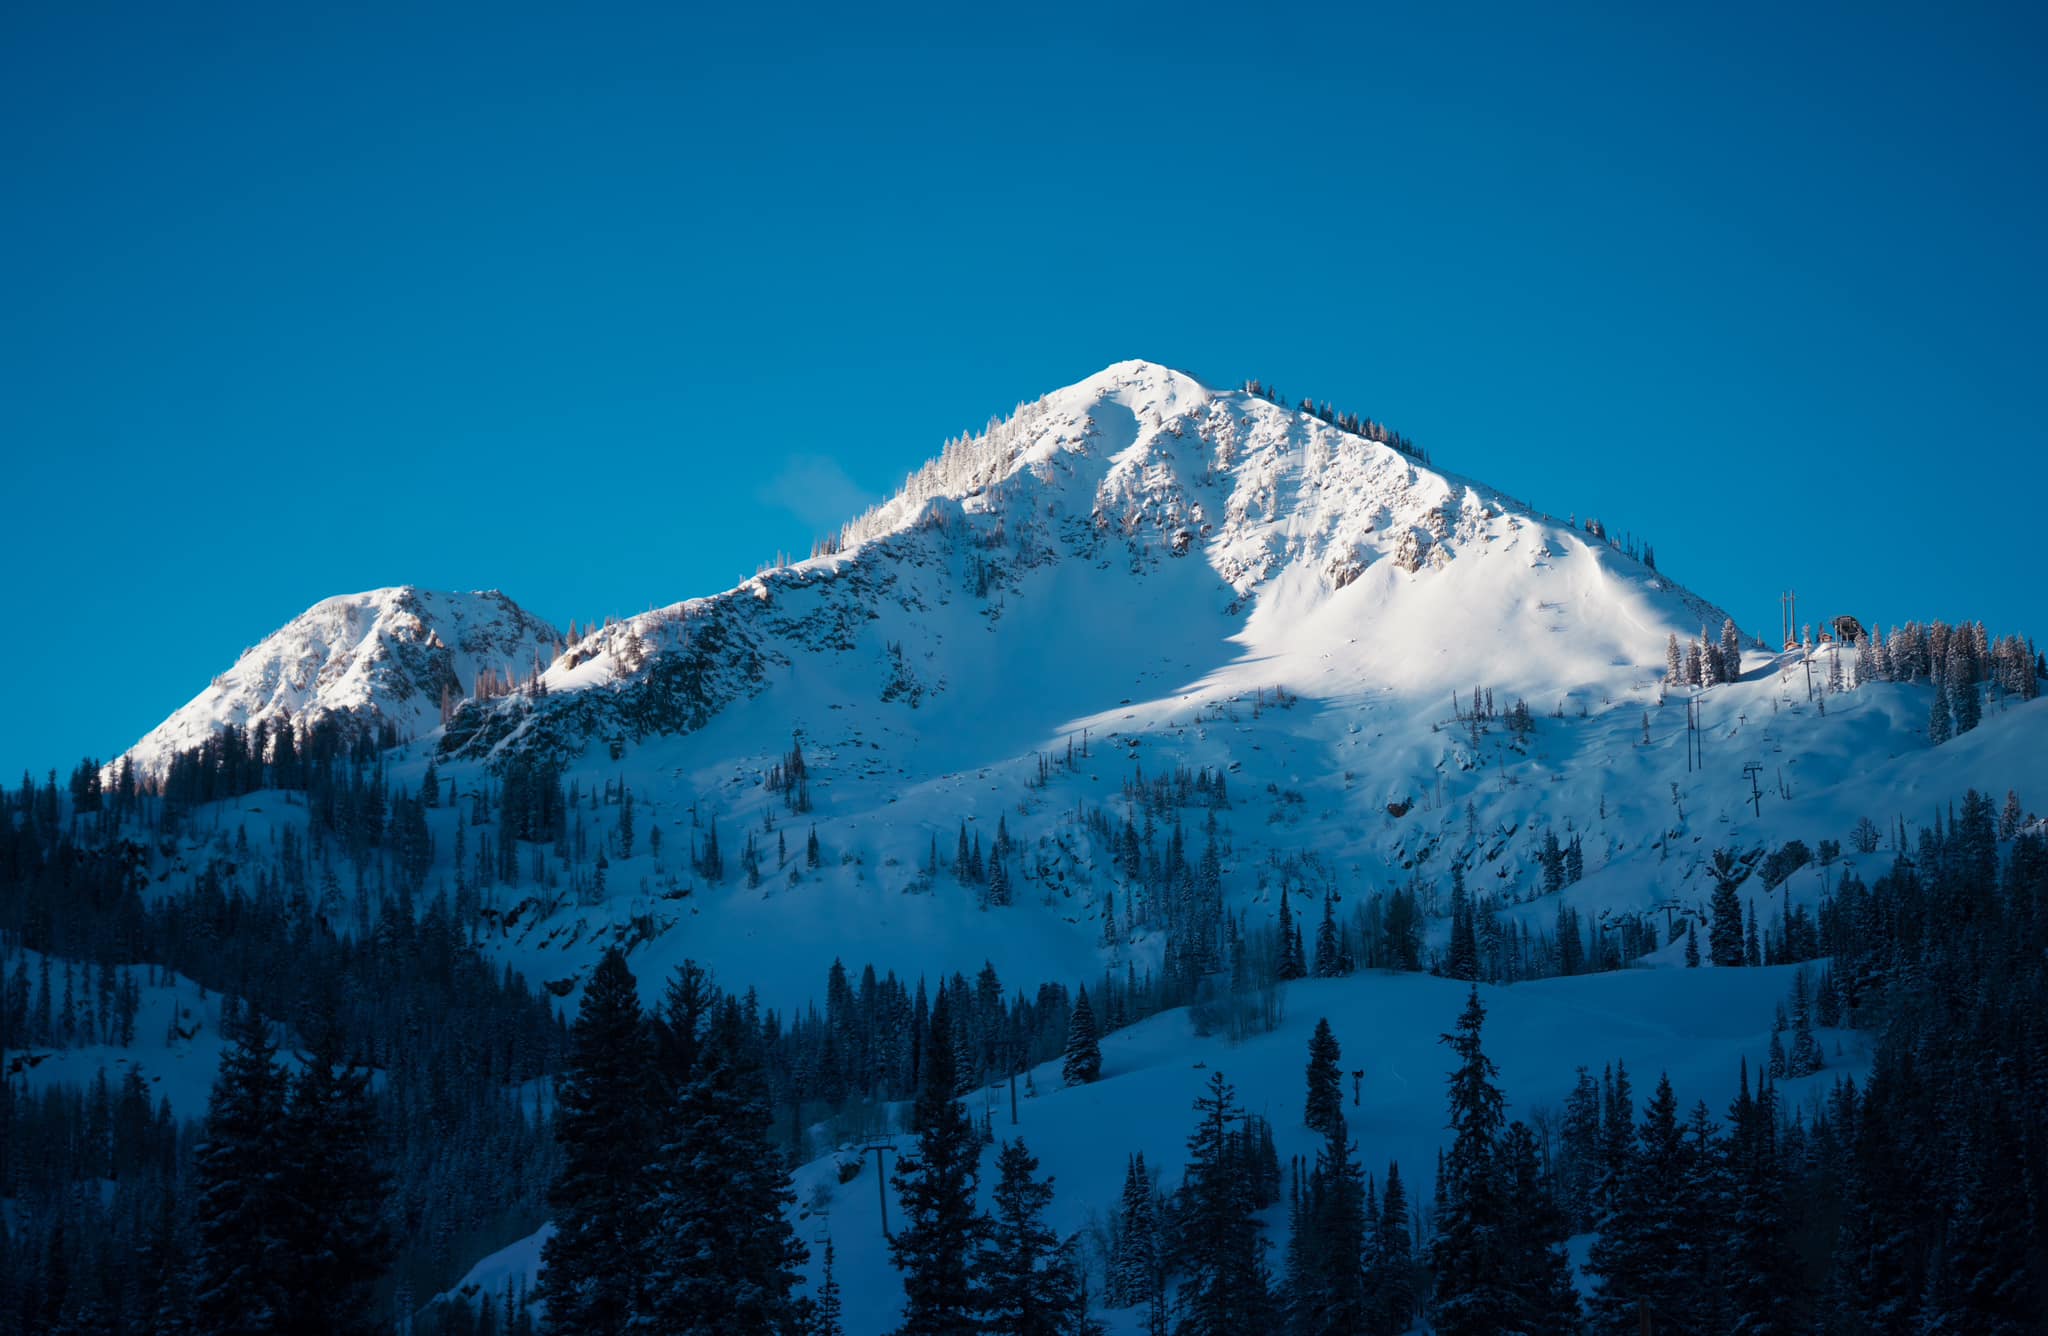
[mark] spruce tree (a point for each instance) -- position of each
(1724, 933)
(1579, 1153)
(1469, 1252)
(1805, 1058)
(1329, 943)
(592, 1266)
(1220, 1252)
(1291, 964)
(1029, 1282)
(340, 1240)
(1135, 1272)
(1539, 1271)
(1643, 1231)
(1939, 726)
(1463, 964)
(1331, 1297)
(1083, 1063)
(1391, 1278)
(1323, 1109)
(826, 1319)
(242, 1176)
(722, 1256)
(936, 1186)
(1761, 1281)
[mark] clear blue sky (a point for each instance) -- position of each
(604, 305)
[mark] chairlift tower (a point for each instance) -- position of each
(881, 1148)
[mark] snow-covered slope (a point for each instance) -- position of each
(386, 655)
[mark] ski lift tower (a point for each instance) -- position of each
(884, 1146)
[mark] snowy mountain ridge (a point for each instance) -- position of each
(1138, 468)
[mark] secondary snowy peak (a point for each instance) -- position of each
(386, 656)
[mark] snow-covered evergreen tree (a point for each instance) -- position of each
(1028, 1277)
(1323, 1109)
(1724, 931)
(1463, 961)
(1134, 1266)
(827, 1309)
(1083, 1061)
(1330, 962)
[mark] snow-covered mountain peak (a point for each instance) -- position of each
(383, 656)
(1140, 386)
(1256, 544)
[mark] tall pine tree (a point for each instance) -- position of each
(1323, 1109)
(341, 1241)
(722, 1255)
(243, 1176)
(593, 1265)
(1221, 1252)
(1083, 1062)
(936, 1186)
(1471, 1255)
(1030, 1284)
